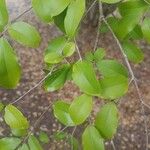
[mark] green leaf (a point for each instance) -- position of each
(146, 29)
(49, 8)
(80, 109)
(92, 140)
(59, 20)
(99, 54)
(3, 15)
(136, 33)
(42, 9)
(61, 112)
(107, 120)
(24, 147)
(126, 8)
(109, 68)
(19, 132)
(60, 136)
(73, 17)
(133, 53)
(43, 137)
(69, 49)
(9, 67)
(113, 87)
(84, 76)
(34, 143)
(9, 143)
(1, 106)
(24, 34)
(110, 1)
(130, 16)
(112, 21)
(54, 51)
(89, 56)
(14, 118)
(73, 142)
(57, 79)
(56, 7)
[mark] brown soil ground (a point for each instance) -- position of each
(130, 135)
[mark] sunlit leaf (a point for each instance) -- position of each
(92, 140)
(19, 132)
(25, 34)
(9, 67)
(34, 143)
(61, 112)
(80, 108)
(9, 143)
(113, 87)
(110, 68)
(107, 120)
(84, 76)
(146, 29)
(3, 15)
(14, 118)
(73, 17)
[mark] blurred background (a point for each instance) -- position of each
(130, 135)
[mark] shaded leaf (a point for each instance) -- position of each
(43, 137)
(99, 54)
(57, 79)
(133, 53)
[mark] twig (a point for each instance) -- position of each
(88, 10)
(78, 51)
(72, 137)
(99, 23)
(113, 145)
(134, 79)
(146, 2)
(40, 82)
(22, 14)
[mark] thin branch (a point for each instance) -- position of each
(146, 2)
(99, 23)
(113, 145)
(133, 77)
(88, 10)
(40, 82)
(78, 51)
(73, 132)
